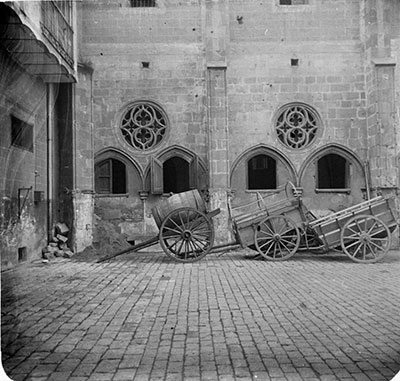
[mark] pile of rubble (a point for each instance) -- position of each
(58, 246)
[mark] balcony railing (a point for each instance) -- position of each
(57, 27)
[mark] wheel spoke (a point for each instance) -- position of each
(274, 250)
(352, 244)
(357, 249)
(174, 243)
(271, 232)
(353, 231)
(182, 222)
(283, 226)
(351, 237)
(282, 244)
(265, 235)
(270, 243)
(201, 242)
(172, 230)
(358, 225)
(379, 247)
(364, 251)
(172, 220)
(197, 245)
(289, 243)
(372, 227)
(372, 251)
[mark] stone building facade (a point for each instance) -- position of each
(305, 91)
(230, 97)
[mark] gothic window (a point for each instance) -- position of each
(21, 134)
(144, 125)
(297, 125)
(261, 172)
(332, 172)
(174, 174)
(110, 177)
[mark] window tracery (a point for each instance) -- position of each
(297, 126)
(144, 125)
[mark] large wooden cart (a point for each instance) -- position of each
(277, 230)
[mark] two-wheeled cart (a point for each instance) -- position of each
(186, 232)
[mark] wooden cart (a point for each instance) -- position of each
(278, 230)
(186, 232)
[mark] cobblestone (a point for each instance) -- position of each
(230, 317)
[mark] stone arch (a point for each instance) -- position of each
(154, 170)
(323, 201)
(331, 148)
(134, 169)
(238, 177)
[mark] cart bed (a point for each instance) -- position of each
(329, 227)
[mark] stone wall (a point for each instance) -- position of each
(222, 70)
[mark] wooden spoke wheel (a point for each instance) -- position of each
(365, 238)
(277, 238)
(186, 235)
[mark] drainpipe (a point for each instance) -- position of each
(50, 158)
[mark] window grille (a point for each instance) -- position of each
(144, 126)
(143, 3)
(297, 126)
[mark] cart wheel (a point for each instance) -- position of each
(365, 238)
(186, 235)
(277, 238)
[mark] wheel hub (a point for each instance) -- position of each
(276, 237)
(364, 237)
(186, 235)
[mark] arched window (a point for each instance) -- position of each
(176, 175)
(110, 177)
(332, 172)
(261, 172)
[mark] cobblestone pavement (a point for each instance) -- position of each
(230, 317)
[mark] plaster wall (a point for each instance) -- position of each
(23, 171)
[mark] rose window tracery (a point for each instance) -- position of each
(143, 126)
(297, 126)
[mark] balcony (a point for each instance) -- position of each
(56, 27)
(39, 36)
